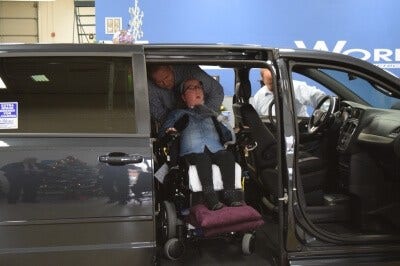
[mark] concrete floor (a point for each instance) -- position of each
(224, 251)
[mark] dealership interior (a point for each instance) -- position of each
(61, 21)
(305, 24)
(69, 21)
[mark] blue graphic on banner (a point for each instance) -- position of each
(8, 115)
(366, 29)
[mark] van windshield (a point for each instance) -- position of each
(371, 93)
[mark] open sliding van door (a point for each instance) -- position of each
(264, 155)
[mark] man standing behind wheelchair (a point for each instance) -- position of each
(201, 144)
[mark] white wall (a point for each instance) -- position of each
(56, 17)
(18, 22)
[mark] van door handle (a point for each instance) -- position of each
(120, 158)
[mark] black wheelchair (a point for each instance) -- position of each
(178, 193)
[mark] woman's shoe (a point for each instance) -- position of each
(232, 198)
(217, 206)
(236, 204)
(211, 201)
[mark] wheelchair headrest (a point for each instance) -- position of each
(243, 85)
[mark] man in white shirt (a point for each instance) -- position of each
(305, 95)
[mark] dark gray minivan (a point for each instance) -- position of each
(78, 153)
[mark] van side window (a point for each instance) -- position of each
(69, 94)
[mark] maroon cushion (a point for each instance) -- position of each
(202, 217)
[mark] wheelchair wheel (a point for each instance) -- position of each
(248, 243)
(168, 220)
(174, 249)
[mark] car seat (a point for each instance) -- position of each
(259, 149)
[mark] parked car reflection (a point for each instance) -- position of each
(31, 181)
(24, 179)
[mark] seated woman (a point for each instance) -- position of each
(200, 144)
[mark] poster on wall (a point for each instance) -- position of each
(9, 115)
(113, 24)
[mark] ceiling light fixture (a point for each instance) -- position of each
(4, 144)
(40, 78)
(2, 85)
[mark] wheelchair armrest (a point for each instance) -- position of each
(170, 150)
(168, 138)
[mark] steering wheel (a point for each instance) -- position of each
(321, 115)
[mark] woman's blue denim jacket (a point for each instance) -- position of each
(199, 133)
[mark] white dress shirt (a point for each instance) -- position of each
(305, 95)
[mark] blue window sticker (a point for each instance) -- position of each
(8, 115)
